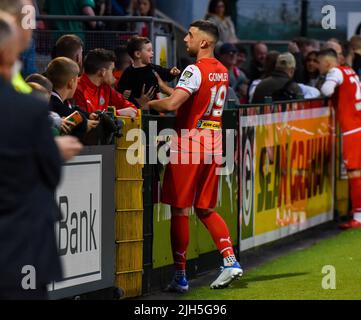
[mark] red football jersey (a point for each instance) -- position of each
(207, 84)
(347, 98)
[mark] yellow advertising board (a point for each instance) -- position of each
(286, 174)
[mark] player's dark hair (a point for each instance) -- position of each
(97, 59)
(207, 27)
(327, 53)
(136, 44)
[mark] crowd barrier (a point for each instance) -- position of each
(116, 32)
(285, 177)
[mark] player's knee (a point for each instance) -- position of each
(354, 173)
(180, 212)
(203, 212)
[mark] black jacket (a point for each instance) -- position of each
(356, 64)
(276, 82)
(135, 78)
(30, 167)
(64, 110)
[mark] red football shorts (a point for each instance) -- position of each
(187, 185)
(352, 150)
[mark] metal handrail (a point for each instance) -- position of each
(102, 18)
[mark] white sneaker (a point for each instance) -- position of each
(228, 274)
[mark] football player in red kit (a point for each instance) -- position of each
(191, 176)
(342, 83)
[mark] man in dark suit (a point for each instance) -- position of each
(30, 168)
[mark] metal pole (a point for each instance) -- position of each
(304, 18)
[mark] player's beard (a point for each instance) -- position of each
(192, 52)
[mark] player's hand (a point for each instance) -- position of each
(128, 112)
(68, 146)
(66, 126)
(293, 48)
(127, 94)
(92, 124)
(175, 72)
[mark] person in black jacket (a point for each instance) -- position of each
(140, 77)
(63, 73)
(356, 50)
(30, 167)
(279, 85)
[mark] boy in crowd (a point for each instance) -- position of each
(140, 77)
(63, 73)
(95, 88)
(42, 88)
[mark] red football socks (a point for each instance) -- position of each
(219, 232)
(355, 194)
(180, 239)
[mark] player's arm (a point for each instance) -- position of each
(172, 103)
(333, 79)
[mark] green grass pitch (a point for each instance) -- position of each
(298, 275)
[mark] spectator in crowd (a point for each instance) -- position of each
(120, 7)
(356, 52)
(340, 85)
(143, 8)
(218, 14)
(242, 55)
(42, 87)
(279, 85)
(139, 77)
(259, 54)
(312, 72)
(14, 8)
(335, 44)
(95, 88)
(347, 53)
(237, 79)
(121, 64)
(70, 8)
(41, 80)
(70, 46)
(269, 67)
(63, 73)
(30, 165)
(300, 48)
(101, 7)
(29, 55)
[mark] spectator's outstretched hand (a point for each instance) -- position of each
(146, 97)
(175, 72)
(68, 146)
(128, 112)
